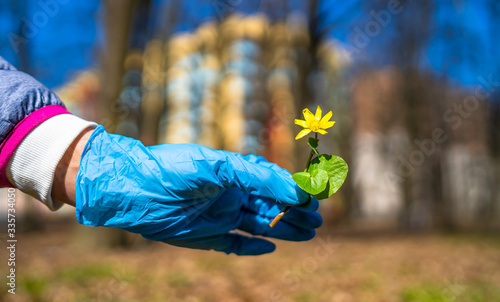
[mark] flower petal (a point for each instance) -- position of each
(301, 123)
(303, 133)
(318, 113)
(326, 125)
(321, 131)
(307, 115)
(326, 117)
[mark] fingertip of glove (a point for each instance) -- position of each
(311, 205)
(267, 247)
(315, 220)
(255, 247)
(302, 195)
(307, 235)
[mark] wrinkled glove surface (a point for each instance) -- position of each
(189, 195)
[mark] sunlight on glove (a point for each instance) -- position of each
(189, 195)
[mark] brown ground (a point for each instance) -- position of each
(335, 266)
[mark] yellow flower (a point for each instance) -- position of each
(314, 122)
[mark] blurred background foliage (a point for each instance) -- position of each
(413, 86)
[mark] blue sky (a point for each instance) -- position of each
(459, 41)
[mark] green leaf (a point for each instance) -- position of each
(337, 171)
(313, 183)
(313, 143)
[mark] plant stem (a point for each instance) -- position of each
(287, 208)
(309, 160)
(279, 216)
(310, 154)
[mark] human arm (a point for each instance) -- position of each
(185, 195)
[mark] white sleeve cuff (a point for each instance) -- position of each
(32, 166)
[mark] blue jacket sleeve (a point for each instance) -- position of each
(20, 95)
(25, 103)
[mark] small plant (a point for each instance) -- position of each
(324, 174)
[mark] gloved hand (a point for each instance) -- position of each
(189, 195)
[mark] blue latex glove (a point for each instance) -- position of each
(189, 195)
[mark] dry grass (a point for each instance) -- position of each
(335, 266)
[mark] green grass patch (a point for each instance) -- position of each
(178, 280)
(453, 291)
(84, 274)
(34, 285)
(306, 296)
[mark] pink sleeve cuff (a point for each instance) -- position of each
(22, 129)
